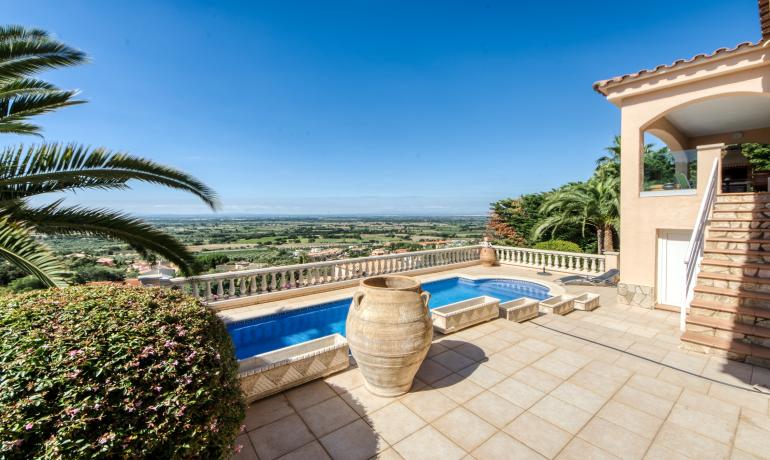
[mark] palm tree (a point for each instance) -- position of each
(24, 52)
(593, 204)
(26, 172)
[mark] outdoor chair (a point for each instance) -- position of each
(605, 279)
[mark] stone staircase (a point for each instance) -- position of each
(730, 312)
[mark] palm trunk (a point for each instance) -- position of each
(609, 244)
(599, 238)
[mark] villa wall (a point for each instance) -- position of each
(643, 217)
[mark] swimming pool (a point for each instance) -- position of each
(266, 333)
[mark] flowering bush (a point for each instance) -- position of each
(115, 372)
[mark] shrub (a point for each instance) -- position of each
(97, 372)
(558, 245)
(28, 283)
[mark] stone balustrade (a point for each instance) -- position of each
(570, 262)
(216, 287)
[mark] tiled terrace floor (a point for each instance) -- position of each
(607, 384)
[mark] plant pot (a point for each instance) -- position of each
(488, 257)
(389, 331)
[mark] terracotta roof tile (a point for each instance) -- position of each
(663, 68)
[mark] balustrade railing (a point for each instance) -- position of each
(236, 284)
(570, 262)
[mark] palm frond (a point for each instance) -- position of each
(20, 248)
(54, 167)
(22, 106)
(57, 220)
(27, 51)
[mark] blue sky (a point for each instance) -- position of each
(361, 107)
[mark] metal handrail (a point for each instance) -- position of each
(697, 240)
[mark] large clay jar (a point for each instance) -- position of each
(389, 331)
(488, 255)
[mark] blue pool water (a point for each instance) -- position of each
(271, 332)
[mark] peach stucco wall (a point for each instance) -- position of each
(642, 108)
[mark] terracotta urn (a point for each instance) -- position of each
(488, 255)
(389, 331)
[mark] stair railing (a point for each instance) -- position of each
(697, 240)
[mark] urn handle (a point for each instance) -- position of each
(425, 296)
(357, 298)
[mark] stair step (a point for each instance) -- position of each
(664, 307)
(733, 346)
(733, 292)
(737, 252)
(729, 277)
(727, 325)
(748, 197)
(738, 219)
(722, 239)
(732, 263)
(736, 310)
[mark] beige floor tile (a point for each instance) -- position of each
(760, 376)
(458, 388)
(730, 372)
(571, 357)
(280, 437)
(356, 441)
(752, 439)
(309, 394)
(394, 422)
(346, 380)
(644, 401)
(553, 366)
(309, 451)
(537, 345)
(537, 378)
(685, 380)
(544, 437)
(436, 348)
(427, 444)
(708, 404)
(501, 446)
(658, 452)
(508, 335)
(244, 449)
(685, 362)
(388, 454)
(744, 398)
(562, 414)
(633, 420)
(614, 373)
(493, 408)
(655, 387)
(738, 454)
(429, 404)
(327, 416)
(472, 352)
(452, 360)
(503, 364)
(595, 382)
(431, 371)
(577, 449)
(364, 402)
(648, 351)
(517, 392)
(523, 354)
(579, 396)
(598, 352)
(690, 443)
(759, 419)
(482, 375)
(491, 345)
(638, 365)
(614, 439)
(267, 411)
(464, 428)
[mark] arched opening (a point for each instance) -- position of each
(739, 121)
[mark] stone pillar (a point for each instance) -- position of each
(611, 260)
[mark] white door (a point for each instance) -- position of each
(672, 250)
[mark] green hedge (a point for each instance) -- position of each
(558, 245)
(105, 372)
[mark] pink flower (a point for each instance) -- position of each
(237, 449)
(28, 426)
(75, 352)
(169, 344)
